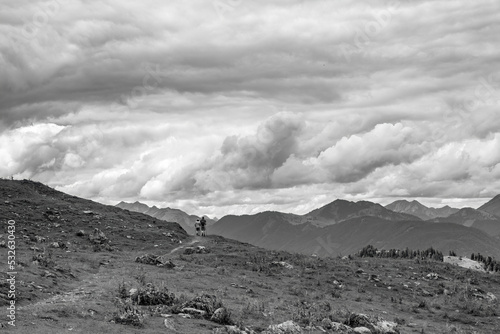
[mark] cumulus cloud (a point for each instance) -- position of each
(235, 106)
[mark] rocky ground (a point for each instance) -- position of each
(87, 268)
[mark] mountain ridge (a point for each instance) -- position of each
(418, 209)
(185, 220)
(492, 206)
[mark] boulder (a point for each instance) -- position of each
(337, 327)
(362, 330)
(221, 316)
(97, 237)
(386, 327)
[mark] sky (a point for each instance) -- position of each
(224, 107)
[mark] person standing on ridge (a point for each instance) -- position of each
(197, 226)
(203, 223)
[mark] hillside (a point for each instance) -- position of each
(185, 220)
(271, 230)
(479, 219)
(138, 274)
(342, 210)
(417, 209)
(492, 206)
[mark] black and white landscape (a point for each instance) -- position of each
(345, 155)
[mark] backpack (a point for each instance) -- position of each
(203, 222)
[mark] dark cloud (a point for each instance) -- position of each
(198, 104)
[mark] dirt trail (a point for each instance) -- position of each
(195, 240)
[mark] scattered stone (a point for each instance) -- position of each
(98, 237)
(287, 327)
(133, 293)
(491, 297)
(58, 244)
(169, 324)
(386, 327)
(155, 260)
(337, 327)
(282, 264)
(426, 293)
(193, 311)
(40, 239)
(432, 276)
(233, 330)
(197, 250)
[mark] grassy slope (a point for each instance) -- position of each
(78, 292)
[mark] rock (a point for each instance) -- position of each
(362, 330)
(387, 327)
(193, 311)
(491, 297)
(337, 327)
(155, 260)
(169, 323)
(189, 250)
(287, 327)
(282, 264)
(133, 292)
(202, 250)
(80, 233)
(97, 237)
(426, 293)
(221, 316)
(39, 239)
(432, 276)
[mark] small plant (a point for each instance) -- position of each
(128, 314)
(122, 290)
(153, 295)
(44, 259)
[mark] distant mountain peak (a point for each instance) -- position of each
(418, 209)
(341, 210)
(492, 206)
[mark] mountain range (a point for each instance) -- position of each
(354, 224)
(343, 227)
(186, 221)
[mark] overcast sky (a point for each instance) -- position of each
(239, 106)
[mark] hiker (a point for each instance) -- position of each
(197, 226)
(203, 223)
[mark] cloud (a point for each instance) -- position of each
(235, 106)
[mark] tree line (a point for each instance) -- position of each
(489, 263)
(429, 253)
